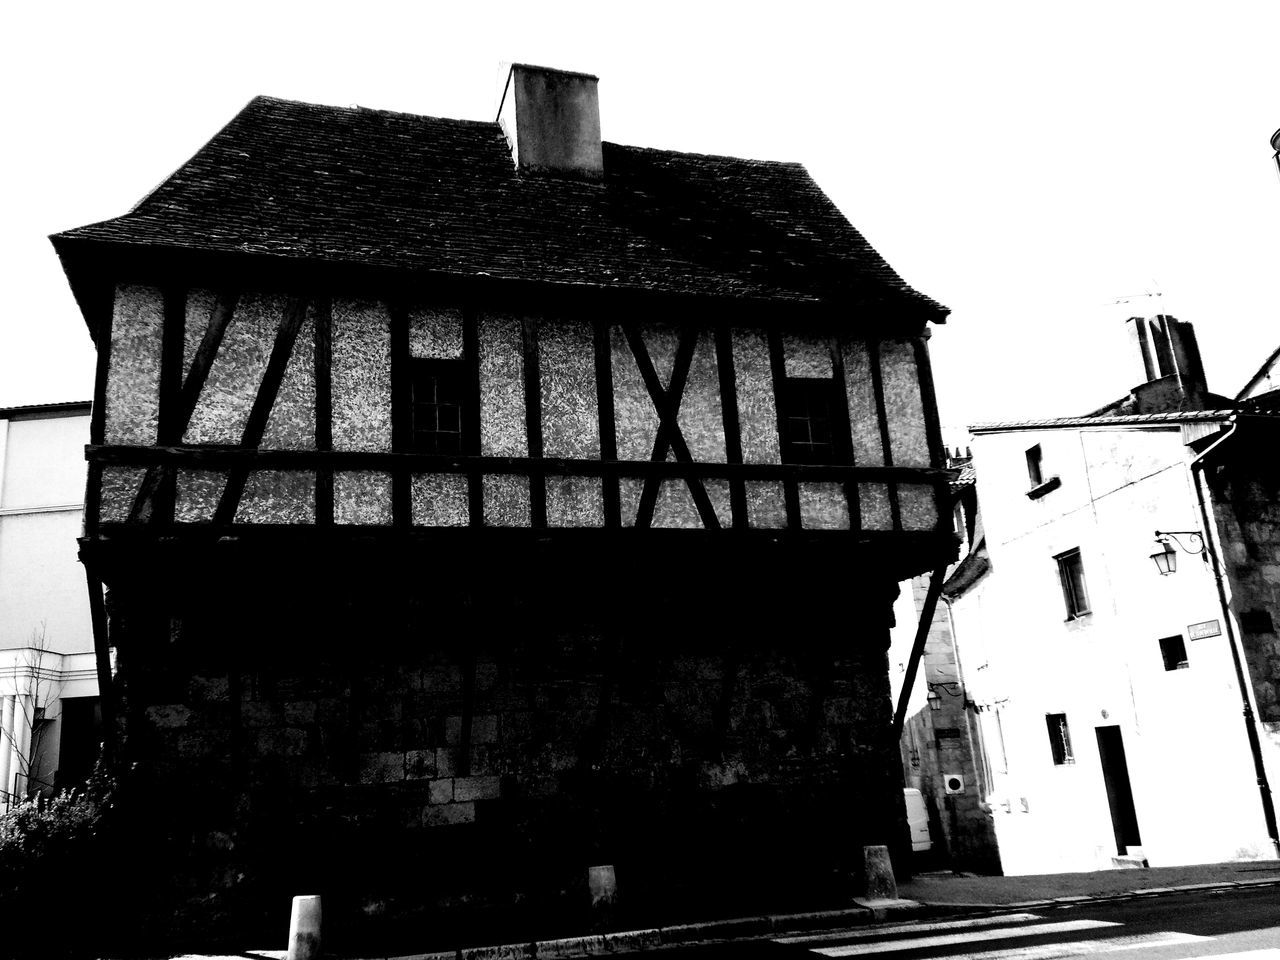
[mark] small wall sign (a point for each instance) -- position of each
(1199, 631)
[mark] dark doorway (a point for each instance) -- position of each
(1115, 773)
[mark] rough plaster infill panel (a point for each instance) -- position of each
(701, 416)
(757, 413)
(198, 495)
(506, 500)
(918, 506)
(808, 357)
(361, 496)
(903, 404)
(502, 409)
(864, 419)
(570, 416)
(361, 375)
(133, 381)
(823, 506)
(574, 502)
(435, 333)
(635, 417)
(766, 505)
(440, 500)
(278, 496)
(291, 425)
(674, 507)
(873, 504)
(119, 489)
(223, 408)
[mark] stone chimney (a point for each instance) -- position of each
(551, 119)
(1167, 365)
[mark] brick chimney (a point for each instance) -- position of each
(551, 119)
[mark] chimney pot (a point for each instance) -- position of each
(551, 119)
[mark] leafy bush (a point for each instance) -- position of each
(52, 854)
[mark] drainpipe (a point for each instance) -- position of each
(1251, 727)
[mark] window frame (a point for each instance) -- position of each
(1166, 643)
(1059, 731)
(456, 372)
(1075, 600)
(837, 445)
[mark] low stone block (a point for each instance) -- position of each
(419, 764)
(169, 716)
(476, 788)
(449, 814)
(484, 728)
(299, 713)
(440, 791)
(385, 767)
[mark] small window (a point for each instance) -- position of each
(439, 391)
(1174, 652)
(1034, 472)
(1074, 593)
(1059, 738)
(810, 421)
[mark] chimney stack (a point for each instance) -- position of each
(1167, 348)
(551, 119)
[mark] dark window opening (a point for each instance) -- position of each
(1256, 621)
(438, 398)
(812, 421)
(1033, 466)
(1174, 652)
(1059, 738)
(1074, 593)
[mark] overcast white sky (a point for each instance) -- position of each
(1025, 164)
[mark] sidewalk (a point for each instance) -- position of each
(968, 890)
(928, 895)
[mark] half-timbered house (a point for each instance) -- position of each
(481, 502)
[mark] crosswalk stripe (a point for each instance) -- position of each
(892, 928)
(950, 940)
(1082, 948)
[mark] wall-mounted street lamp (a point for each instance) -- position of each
(1166, 558)
(935, 701)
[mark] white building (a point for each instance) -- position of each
(1113, 715)
(49, 729)
(1106, 693)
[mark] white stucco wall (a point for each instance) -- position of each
(1188, 758)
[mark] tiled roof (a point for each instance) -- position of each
(376, 188)
(1135, 419)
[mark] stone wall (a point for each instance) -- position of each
(1246, 505)
(427, 761)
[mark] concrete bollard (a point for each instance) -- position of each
(304, 928)
(878, 869)
(602, 883)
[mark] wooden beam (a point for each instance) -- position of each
(294, 312)
(223, 309)
(98, 412)
(608, 426)
(917, 648)
(401, 412)
(172, 340)
(533, 419)
(324, 412)
(471, 412)
(667, 403)
(102, 658)
(729, 417)
(778, 367)
(877, 386)
(842, 429)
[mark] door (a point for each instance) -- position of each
(1115, 774)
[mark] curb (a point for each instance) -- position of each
(865, 913)
(1142, 894)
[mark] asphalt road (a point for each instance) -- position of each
(1235, 924)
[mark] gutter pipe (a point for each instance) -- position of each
(1251, 727)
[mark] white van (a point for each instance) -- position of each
(917, 819)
